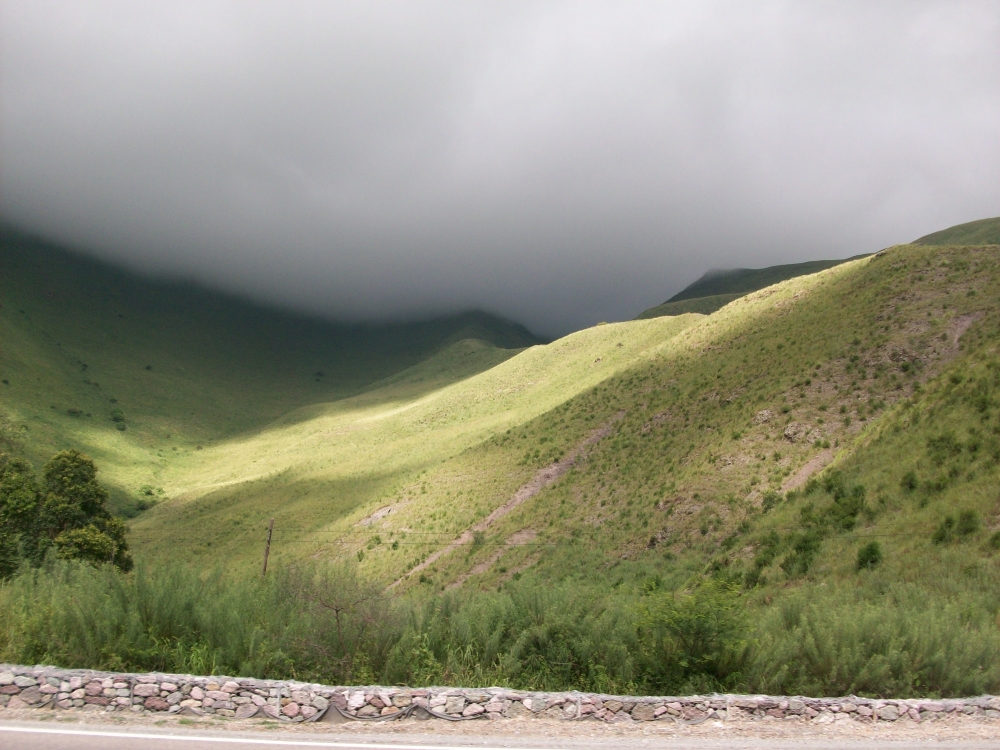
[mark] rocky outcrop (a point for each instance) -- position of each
(242, 698)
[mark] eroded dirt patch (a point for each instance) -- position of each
(542, 479)
(810, 467)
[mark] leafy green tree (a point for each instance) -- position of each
(72, 494)
(20, 498)
(66, 513)
(73, 513)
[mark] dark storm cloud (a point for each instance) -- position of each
(557, 163)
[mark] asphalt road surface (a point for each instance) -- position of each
(44, 736)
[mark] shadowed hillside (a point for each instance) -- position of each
(135, 371)
(721, 286)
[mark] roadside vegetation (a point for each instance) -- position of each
(326, 624)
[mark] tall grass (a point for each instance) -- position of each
(842, 643)
(165, 619)
(327, 624)
(529, 636)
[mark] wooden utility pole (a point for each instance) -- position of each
(267, 547)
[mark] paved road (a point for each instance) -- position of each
(41, 737)
(45, 736)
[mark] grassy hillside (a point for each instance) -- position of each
(137, 371)
(812, 468)
(720, 424)
(663, 439)
(323, 467)
(720, 287)
(982, 232)
(683, 432)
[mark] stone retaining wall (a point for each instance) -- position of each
(242, 698)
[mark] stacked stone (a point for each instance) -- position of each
(64, 689)
(47, 687)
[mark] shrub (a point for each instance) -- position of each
(944, 532)
(804, 550)
(696, 639)
(829, 642)
(968, 523)
(869, 556)
(771, 498)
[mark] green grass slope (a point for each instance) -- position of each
(686, 436)
(709, 435)
(321, 469)
(720, 287)
(981, 232)
(85, 344)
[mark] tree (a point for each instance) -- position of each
(72, 495)
(66, 513)
(19, 503)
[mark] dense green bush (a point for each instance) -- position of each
(695, 641)
(869, 556)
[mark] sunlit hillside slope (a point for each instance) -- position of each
(768, 444)
(650, 451)
(981, 232)
(707, 439)
(136, 371)
(323, 467)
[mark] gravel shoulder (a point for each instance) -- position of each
(948, 731)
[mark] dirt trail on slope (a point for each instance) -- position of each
(524, 536)
(814, 464)
(536, 484)
(960, 325)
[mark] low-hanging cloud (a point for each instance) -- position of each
(557, 163)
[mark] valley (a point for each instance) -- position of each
(824, 449)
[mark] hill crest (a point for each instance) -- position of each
(980, 232)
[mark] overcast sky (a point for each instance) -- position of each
(557, 163)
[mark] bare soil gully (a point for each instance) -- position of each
(32, 693)
(542, 479)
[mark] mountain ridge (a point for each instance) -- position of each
(720, 286)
